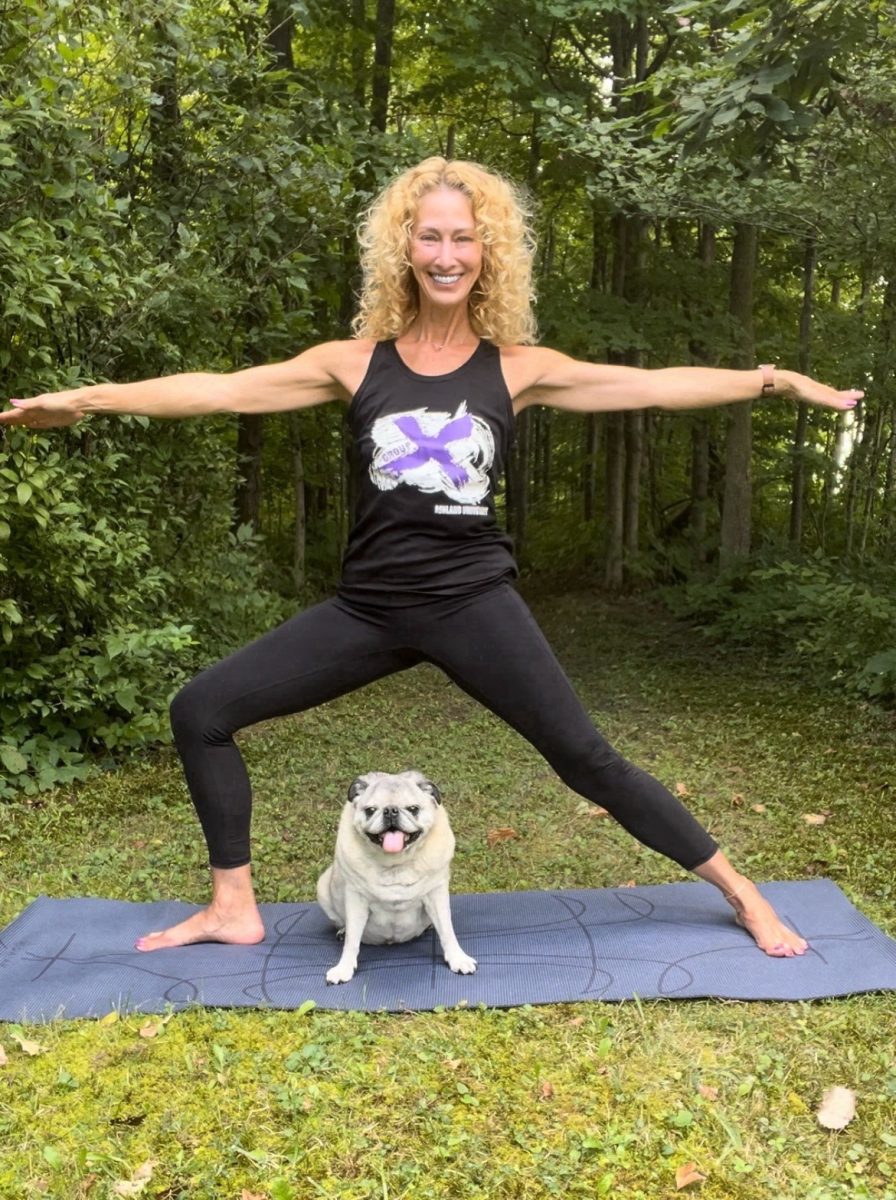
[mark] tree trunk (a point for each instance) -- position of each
(518, 483)
(281, 28)
(634, 459)
(250, 427)
(299, 504)
(589, 467)
(889, 499)
(249, 443)
(699, 505)
(699, 488)
(615, 502)
(635, 258)
(360, 39)
(164, 117)
(614, 441)
(738, 496)
(798, 475)
(547, 447)
(382, 64)
(874, 439)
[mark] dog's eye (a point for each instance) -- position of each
(413, 811)
(368, 812)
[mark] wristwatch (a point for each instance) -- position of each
(768, 379)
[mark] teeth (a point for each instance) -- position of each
(446, 278)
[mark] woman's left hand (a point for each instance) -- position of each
(810, 391)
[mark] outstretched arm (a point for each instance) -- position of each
(548, 377)
(313, 377)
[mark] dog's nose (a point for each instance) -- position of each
(390, 814)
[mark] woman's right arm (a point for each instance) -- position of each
(322, 373)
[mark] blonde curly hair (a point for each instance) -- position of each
(501, 300)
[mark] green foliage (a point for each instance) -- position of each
(174, 198)
(810, 613)
(115, 590)
(120, 574)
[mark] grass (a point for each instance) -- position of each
(579, 1100)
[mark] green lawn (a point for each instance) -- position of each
(580, 1100)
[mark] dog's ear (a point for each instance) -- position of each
(427, 785)
(356, 787)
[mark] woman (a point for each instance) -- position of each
(440, 366)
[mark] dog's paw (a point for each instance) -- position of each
(340, 973)
(462, 964)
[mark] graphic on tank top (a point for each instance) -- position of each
(434, 452)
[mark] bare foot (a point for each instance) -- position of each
(754, 913)
(235, 929)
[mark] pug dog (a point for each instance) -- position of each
(389, 878)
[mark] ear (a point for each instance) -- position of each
(427, 786)
(356, 787)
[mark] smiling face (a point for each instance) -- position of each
(445, 250)
(393, 811)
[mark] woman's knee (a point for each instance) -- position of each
(193, 717)
(593, 767)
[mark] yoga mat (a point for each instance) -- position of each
(75, 958)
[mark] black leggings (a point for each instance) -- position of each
(488, 644)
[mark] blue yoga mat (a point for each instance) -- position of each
(75, 958)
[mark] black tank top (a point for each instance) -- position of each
(431, 451)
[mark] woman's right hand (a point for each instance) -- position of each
(45, 412)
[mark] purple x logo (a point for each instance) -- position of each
(433, 447)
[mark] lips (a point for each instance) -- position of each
(444, 280)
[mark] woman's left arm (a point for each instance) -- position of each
(547, 377)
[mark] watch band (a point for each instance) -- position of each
(768, 379)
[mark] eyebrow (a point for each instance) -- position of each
(433, 229)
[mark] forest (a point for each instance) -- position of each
(712, 182)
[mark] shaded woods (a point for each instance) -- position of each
(714, 183)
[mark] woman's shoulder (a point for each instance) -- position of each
(523, 366)
(346, 361)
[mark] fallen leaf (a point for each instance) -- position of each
(3, 1059)
(137, 1183)
(110, 1018)
(546, 1091)
(628, 883)
(681, 789)
(687, 1175)
(595, 810)
(453, 1063)
(26, 1046)
(576, 1022)
(707, 1092)
(86, 1184)
(737, 800)
(837, 1109)
(252, 1196)
(814, 818)
(150, 1030)
(760, 808)
(503, 834)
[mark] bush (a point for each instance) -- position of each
(810, 613)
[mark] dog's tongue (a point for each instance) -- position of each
(393, 841)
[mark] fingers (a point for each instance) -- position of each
(38, 413)
(18, 415)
